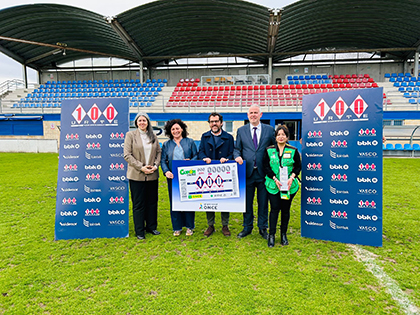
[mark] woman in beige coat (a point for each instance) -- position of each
(142, 153)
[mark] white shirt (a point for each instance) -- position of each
(147, 145)
(258, 132)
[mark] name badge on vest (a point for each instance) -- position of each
(284, 176)
(287, 155)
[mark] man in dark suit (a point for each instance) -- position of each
(216, 144)
(251, 142)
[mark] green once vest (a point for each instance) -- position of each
(287, 161)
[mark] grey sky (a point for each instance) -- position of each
(10, 69)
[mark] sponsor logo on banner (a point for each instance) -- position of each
(87, 200)
(314, 223)
(116, 155)
(92, 157)
(367, 191)
(93, 146)
(314, 213)
(114, 200)
(116, 188)
(367, 167)
(315, 134)
(90, 224)
(339, 202)
(69, 201)
(339, 144)
(70, 168)
(339, 167)
(358, 106)
(116, 222)
(367, 155)
(365, 228)
(339, 214)
(72, 137)
(71, 146)
(338, 177)
(334, 226)
(314, 155)
(69, 189)
(93, 136)
(315, 144)
(313, 189)
(373, 180)
(116, 145)
(93, 167)
(367, 217)
(314, 167)
(68, 223)
(116, 212)
(116, 167)
(68, 213)
(367, 132)
(367, 143)
(92, 212)
(335, 155)
(314, 201)
(339, 133)
(67, 157)
(70, 179)
(93, 177)
(314, 178)
(367, 204)
(91, 190)
(116, 178)
(116, 136)
(335, 191)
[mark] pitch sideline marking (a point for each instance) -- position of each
(391, 286)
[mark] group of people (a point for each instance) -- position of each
(271, 165)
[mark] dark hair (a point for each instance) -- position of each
(284, 128)
(169, 124)
(215, 114)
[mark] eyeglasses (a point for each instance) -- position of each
(214, 121)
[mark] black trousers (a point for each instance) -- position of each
(144, 196)
(277, 205)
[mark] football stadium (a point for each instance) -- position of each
(180, 59)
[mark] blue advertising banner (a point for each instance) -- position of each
(217, 187)
(342, 166)
(92, 189)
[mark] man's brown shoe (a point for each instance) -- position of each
(209, 231)
(225, 230)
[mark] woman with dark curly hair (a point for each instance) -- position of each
(178, 147)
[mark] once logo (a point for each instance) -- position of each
(367, 167)
(93, 177)
(69, 201)
(113, 200)
(116, 135)
(93, 146)
(70, 167)
(116, 167)
(71, 137)
(315, 134)
(92, 212)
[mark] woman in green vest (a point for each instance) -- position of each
(282, 166)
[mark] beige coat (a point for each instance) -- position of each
(134, 155)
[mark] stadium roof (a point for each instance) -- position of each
(44, 35)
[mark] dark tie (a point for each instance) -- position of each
(255, 139)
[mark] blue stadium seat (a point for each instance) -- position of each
(394, 75)
(398, 146)
(401, 74)
(390, 146)
(387, 75)
(165, 81)
(416, 147)
(408, 147)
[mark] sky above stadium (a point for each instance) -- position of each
(11, 69)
